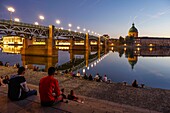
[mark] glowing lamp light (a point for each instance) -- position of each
(83, 70)
(69, 25)
(78, 27)
(36, 23)
(41, 17)
(88, 68)
(95, 63)
(91, 65)
(58, 22)
(88, 31)
(11, 9)
(61, 28)
(84, 29)
(16, 20)
(69, 29)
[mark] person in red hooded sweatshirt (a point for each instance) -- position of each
(49, 90)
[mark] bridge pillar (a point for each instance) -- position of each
(98, 53)
(87, 42)
(49, 63)
(49, 41)
(71, 55)
(26, 43)
(105, 46)
(86, 57)
(71, 43)
(98, 43)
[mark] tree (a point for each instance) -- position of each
(121, 40)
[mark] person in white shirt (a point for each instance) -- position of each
(105, 78)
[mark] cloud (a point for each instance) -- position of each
(156, 16)
(135, 18)
(82, 3)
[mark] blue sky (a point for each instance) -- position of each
(113, 17)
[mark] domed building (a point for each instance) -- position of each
(132, 61)
(133, 31)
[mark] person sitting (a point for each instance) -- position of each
(72, 96)
(100, 79)
(85, 76)
(96, 77)
(1, 82)
(17, 65)
(49, 89)
(78, 74)
(7, 64)
(17, 87)
(90, 77)
(135, 84)
(6, 80)
(62, 93)
(1, 63)
(105, 78)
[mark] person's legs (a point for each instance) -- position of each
(31, 92)
(58, 100)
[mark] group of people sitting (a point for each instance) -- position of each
(7, 64)
(135, 84)
(4, 81)
(49, 89)
(97, 78)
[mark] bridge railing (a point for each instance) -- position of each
(9, 22)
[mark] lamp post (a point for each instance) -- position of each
(69, 25)
(11, 10)
(16, 19)
(41, 17)
(58, 22)
(36, 23)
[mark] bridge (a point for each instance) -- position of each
(31, 32)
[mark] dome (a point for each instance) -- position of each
(133, 61)
(133, 28)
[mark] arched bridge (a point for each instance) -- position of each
(8, 27)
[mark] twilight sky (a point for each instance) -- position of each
(113, 17)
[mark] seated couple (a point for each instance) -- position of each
(49, 90)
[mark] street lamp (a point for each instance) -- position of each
(16, 20)
(36, 23)
(58, 22)
(84, 29)
(78, 27)
(11, 10)
(41, 17)
(69, 25)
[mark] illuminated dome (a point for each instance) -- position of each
(133, 61)
(133, 31)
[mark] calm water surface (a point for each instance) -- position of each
(152, 71)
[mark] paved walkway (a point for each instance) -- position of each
(91, 105)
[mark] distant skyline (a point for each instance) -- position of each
(112, 17)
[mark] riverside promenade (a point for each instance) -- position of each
(98, 97)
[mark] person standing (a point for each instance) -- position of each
(49, 89)
(17, 87)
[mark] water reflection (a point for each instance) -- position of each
(148, 65)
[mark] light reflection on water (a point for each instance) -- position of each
(153, 71)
